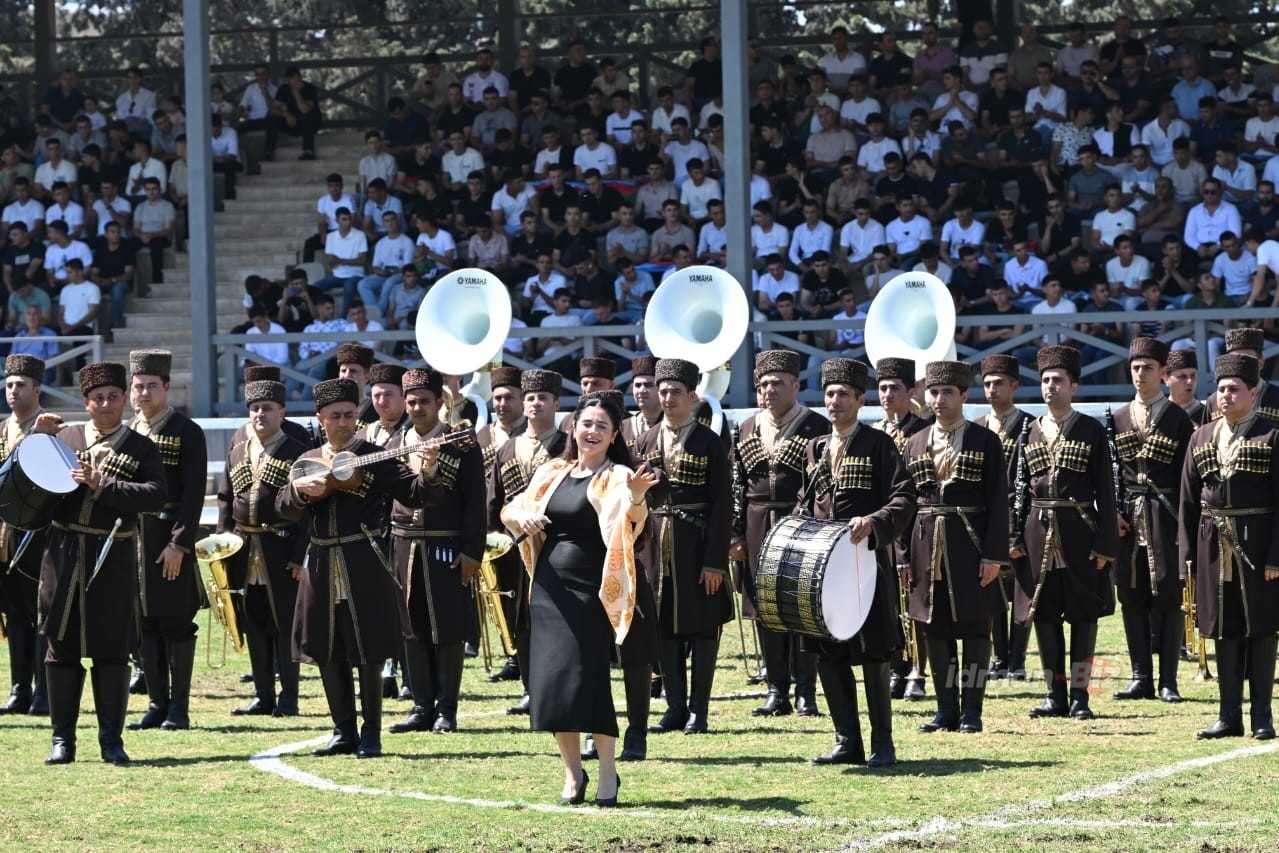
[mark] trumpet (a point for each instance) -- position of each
(1195, 643)
(488, 595)
(211, 555)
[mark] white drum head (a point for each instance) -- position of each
(48, 463)
(848, 588)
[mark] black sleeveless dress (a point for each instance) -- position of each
(570, 639)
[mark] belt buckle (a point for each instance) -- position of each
(1142, 478)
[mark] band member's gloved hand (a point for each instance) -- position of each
(468, 568)
(989, 572)
(171, 559)
(859, 529)
(711, 581)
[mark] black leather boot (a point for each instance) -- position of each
(339, 690)
(1170, 633)
(287, 667)
(637, 679)
(66, 685)
(674, 678)
(262, 661)
(976, 673)
(1137, 631)
(898, 669)
(804, 665)
(449, 661)
(111, 699)
(509, 672)
(776, 651)
(181, 665)
(943, 657)
(841, 696)
(155, 667)
(390, 689)
(22, 641)
(1083, 649)
(705, 654)
(371, 679)
(419, 666)
(39, 695)
(1018, 641)
(1230, 689)
(1001, 637)
(879, 711)
(1261, 686)
(1051, 637)
(138, 686)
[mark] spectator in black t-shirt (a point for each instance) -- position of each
(592, 113)
(775, 150)
(526, 245)
(428, 204)
(971, 279)
(999, 303)
(297, 303)
(936, 189)
(555, 199)
(1003, 232)
(262, 290)
(572, 241)
(768, 109)
(894, 185)
(506, 155)
(633, 158)
(476, 202)
(114, 260)
(573, 79)
(819, 288)
(23, 259)
(600, 203)
(590, 283)
(1175, 269)
(457, 116)
(704, 80)
(527, 77)
(413, 168)
(1059, 233)
(1100, 303)
(1081, 276)
(995, 105)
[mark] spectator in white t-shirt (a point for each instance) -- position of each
(859, 237)
(811, 236)
(1126, 271)
(347, 253)
(594, 154)
(1259, 134)
(767, 236)
(62, 250)
(390, 254)
(1110, 223)
(907, 232)
(1234, 268)
(1053, 304)
(870, 157)
(1267, 254)
(77, 302)
(261, 324)
(774, 280)
(961, 231)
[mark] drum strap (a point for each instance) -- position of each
(91, 531)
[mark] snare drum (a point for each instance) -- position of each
(813, 580)
(35, 479)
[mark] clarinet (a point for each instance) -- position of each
(1021, 483)
(1116, 472)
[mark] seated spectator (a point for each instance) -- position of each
(712, 238)
(296, 307)
(493, 117)
(594, 154)
(964, 157)
(114, 259)
(956, 103)
(415, 170)
(254, 108)
(390, 255)
(631, 291)
(23, 259)
(372, 220)
(1059, 232)
(1162, 216)
(24, 297)
(1175, 269)
(326, 218)
(1114, 333)
(930, 262)
(626, 240)
(487, 248)
(1080, 275)
(675, 233)
(573, 240)
(1234, 268)
(53, 170)
(317, 352)
(536, 118)
(590, 284)
(1207, 297)
(404, 299)
(774, 280)
(820, 287)
(560, 349)
(1238, 180)
(1024, 273)
(843, 341)
(404, 129)
(436, 250)
(475, 202)
(1046, 103)
(60, 252)
(982, 54)
(843, 194)
(1209, 131)
(971, 279)
(1191, 88)
(110, 207)
(786, 310)
(859, 237)
(697, 193)
(483, 78)
(555, 198)
(679, 151)
(1266, 251)
(681, 258)
(1002, 233)
(527, 245)
(78, 302)
(1264, 215)
(1260, 131)
(919, 137)
(164, 137)
(1162, 131)
(858, 107)
(999, 303)
(907, 233)
(1113, 222)
(179, 191)
(357, 320)
(1126, 271)
(376, 164)
(507, 156)
(1152, 300)
(599, 204)
(825, 149)
(63, 102)
(619, 123)
(1186, 173)
(540, 290)
(961, 232)
(895, 183)
(261, 324)
(936, 190)
(1053, 303)
(136, 104)
(633, 158)
(1236, 96)
(509, 201)
(1207, 220)
(13, 167)
(880, 272)
(459, 162)
(553, 152)
(813, 235)
(29, 334)
(1086, 189)
(346, 251)
(296, 112)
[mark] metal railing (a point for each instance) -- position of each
(71, 348)
(1100, 380)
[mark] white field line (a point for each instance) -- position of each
(1009, 816)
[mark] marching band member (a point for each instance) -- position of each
(644, 390)
(689, 549)
(347, 595)
(387, 398)
(582, 513)
(269, 564)
(269, 373)
(1151, 435)
(509, 421)
(89, 574)
(1181, 375)
(1229, 495)
(170, 590)
(1249, 342)
(1071, 535)
(594, 374)
(855, 474)
(513, 469)
(770, 460)
(895, 381)
(436, 551)
(959, 547)
(354, 362)
(1001, 378)
(19, 582)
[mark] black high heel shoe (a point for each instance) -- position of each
(580, 797)
(610, 802)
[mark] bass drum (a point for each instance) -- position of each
(813, 580)
(34, 480)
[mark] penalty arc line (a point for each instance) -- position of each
(1007, 817)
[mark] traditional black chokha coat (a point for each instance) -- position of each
(946, 594)
(690, 513)
(379, 434)
(769, 483)
(871, 482)
(132, 482)
(347, 550)
(1009, 435)
(288, 427)
(247, 506)
(434, 606)
(185, 457)
(18, 583)
(491, 438)
(1076, 469)
(635, 425)
(1198, 413)
(1232, 599)
(1148, 577)
(510, 476)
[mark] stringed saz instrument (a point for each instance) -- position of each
(344, 472)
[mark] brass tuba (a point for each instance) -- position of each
(488, 595)
(211, 554)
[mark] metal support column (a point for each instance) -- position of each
(46, 46)
(204, 307)
(508, 33)
(737, 177)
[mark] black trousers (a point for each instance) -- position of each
(306, 127)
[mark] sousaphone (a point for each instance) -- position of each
(913, 316)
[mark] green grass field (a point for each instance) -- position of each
(1021, 785)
